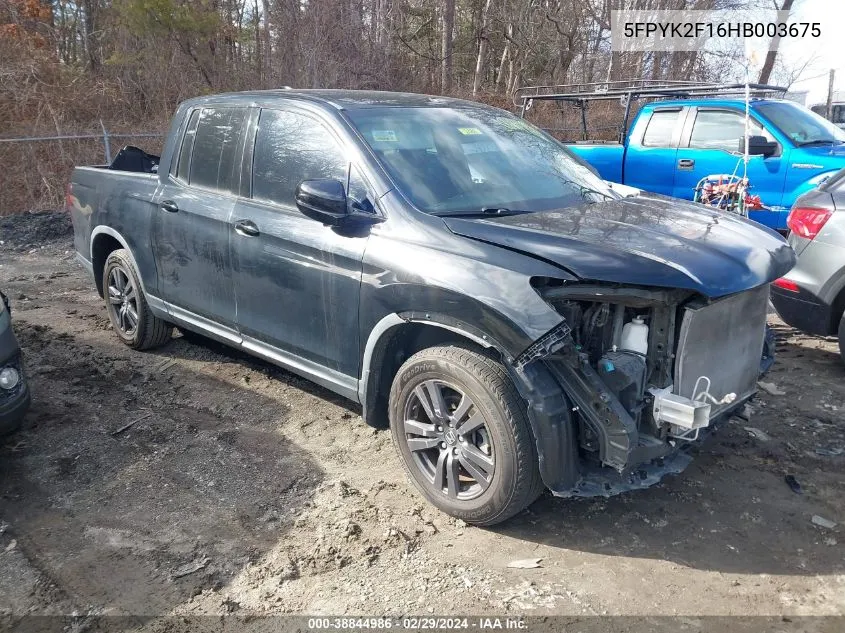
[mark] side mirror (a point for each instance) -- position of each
(758, 146)
(323, 200)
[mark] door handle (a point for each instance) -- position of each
(686, 163)
(169, 206)
(247, 228)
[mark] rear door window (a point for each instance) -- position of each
(661, 128)
(289, 148)
(215, 149)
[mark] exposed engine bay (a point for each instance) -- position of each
(648, 369)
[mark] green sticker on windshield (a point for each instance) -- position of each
(385, 136)
(469, 131)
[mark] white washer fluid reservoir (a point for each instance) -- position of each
(635, 336)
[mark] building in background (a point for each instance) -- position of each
(837, 114)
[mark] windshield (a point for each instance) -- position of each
(802, 126)
(451, 161)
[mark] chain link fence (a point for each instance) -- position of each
(34, 170)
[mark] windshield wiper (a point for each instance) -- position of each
(820, 141)
(486, 212)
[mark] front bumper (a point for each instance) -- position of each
(14, 403)
(595, 480)
(598, 481)
(707, 353)
(803, 310)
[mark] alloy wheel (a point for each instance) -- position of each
(449, 441)
(123, 301)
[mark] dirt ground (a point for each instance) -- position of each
(243, 489)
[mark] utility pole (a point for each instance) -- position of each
(829, 109)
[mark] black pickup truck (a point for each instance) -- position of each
(517, 322)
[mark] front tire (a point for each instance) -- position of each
(129, 313)
(842, 338)
(462, 431)
(768, 357)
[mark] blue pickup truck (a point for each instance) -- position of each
(674, 144)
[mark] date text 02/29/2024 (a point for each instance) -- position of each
(483, 623)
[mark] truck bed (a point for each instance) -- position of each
(606, 157)
(101, 196)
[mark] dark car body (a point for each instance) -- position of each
(344, 305)
(14, 401)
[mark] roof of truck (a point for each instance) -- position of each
(340, 99)
(709, 102)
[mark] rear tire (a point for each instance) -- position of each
(468, 450)
(130, 315)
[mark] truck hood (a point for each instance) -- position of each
(645, 240)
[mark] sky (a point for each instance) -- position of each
(825, 53)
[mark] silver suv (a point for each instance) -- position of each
(811, 297)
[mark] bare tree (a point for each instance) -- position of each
(482, 47)
(129, 62)
(448, 33)
(266, 49)
(771, 55)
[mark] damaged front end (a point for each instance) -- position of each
(645, 371)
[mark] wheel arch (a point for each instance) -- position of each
(837, 306)
(396, 337)
(104, 241)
